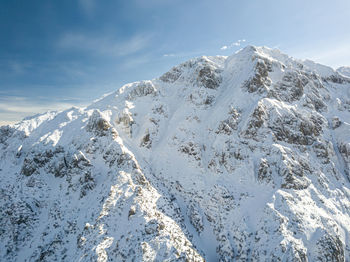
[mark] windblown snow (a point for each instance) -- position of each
(239, 158)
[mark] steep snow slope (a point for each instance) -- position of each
(243, 158)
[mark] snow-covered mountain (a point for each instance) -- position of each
(239, 158)
(344, 70)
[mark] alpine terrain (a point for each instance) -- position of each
(239, 158)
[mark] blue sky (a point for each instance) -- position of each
(54, 54)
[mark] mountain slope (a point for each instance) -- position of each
(241, 158)
(344, 70)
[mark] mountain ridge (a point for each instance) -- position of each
(241, 158)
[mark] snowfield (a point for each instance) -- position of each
(239, 158)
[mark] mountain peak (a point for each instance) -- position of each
(236, 158)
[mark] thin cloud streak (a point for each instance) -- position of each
(185, 54)
(88, 6)
(103, 45)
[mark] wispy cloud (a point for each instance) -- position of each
(15, 67)
(237, 43)
(190, 54)
(104, 45)
(88, 6)
(135, 61)
(152, 3)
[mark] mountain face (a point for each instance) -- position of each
(240, 158)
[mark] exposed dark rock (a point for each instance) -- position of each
(209, 77)
(264, 171)
(143, 88)
(195, 217)
(152, 227)
(337, 78)
(323, 150)
(87, 183)
(28, 168)
(335, 122)
(257, 119)
(97, 124)
(192, 150)
(146, 141)
(296, 129)
(290, 89)
(132, 211)
(330, 249)
(260, 80)
(230, 124)
(172, 75)
(5, 133)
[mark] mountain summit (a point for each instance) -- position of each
(239, 158)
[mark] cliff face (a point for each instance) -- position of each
(243, 158)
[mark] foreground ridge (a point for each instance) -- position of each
(239, 158)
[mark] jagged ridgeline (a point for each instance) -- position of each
(240, 158)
